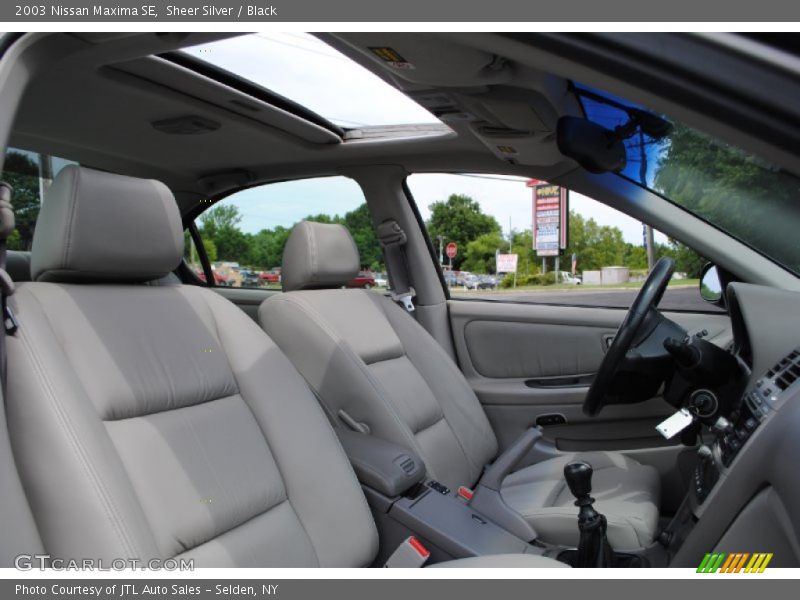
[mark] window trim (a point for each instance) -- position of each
(245, 86)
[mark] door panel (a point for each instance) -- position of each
(529, 362)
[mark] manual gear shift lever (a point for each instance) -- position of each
(593, 547)
(579, 480)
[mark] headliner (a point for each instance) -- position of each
(97, 104)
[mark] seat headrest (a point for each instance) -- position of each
(100, 227)
(318, 255)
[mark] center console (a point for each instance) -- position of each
(758, 406)
(404, 503)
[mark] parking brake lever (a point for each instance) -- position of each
(495, 473)
(487, 499)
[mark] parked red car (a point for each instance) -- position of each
(218, 279)
(363, 280)
(270, 277)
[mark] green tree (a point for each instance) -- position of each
(22, 174)
(210, 248)
(635, 257)
(359, 224)
(266, 250)
(221, 225)
(735, 191)
(686, 260)
(459, 219)
(595, 245)
(189, 252)
(479, 256)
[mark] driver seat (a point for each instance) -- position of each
(371, 364)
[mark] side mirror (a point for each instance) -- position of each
(593, 147)
(710, 284)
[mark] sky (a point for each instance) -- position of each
(298, 66)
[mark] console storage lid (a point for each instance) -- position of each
(383, 466)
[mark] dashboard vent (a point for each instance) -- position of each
(787, 371)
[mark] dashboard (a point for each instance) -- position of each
(744, 493)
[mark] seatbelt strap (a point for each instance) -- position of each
(393, 241)
(410, 554)
(10, 324)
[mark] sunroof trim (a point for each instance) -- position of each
(250, 88)
(304, 72)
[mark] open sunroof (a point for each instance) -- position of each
(310, 73)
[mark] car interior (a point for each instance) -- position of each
(152, 412)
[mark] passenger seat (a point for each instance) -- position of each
(152, 422)
(371, 363)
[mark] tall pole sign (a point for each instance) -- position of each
(550, 218)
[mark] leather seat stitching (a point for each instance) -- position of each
(261, 429)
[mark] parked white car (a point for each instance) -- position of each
(569, 278)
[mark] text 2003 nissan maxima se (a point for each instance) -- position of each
(151, 415)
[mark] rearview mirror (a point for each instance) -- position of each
(710, 284)
(593, 147)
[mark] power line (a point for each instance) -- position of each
(510, 179)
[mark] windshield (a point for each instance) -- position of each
(737, 192)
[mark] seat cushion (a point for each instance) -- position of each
(626, 492)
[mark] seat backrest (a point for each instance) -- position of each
(18, 265)
(152, 422)
(365, 356)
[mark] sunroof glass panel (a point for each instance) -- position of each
(307, 71)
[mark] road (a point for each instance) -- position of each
(675, 298)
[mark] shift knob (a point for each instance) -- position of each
(579, 479)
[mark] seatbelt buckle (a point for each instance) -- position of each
(411, 554)
(406, 299)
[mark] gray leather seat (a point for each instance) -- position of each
(366, 358)
(18, 265)
(151, 422)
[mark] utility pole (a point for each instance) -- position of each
(441, 249)
(651, 255)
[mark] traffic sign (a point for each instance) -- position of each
(452, 250)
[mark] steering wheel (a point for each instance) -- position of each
(645, 303)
